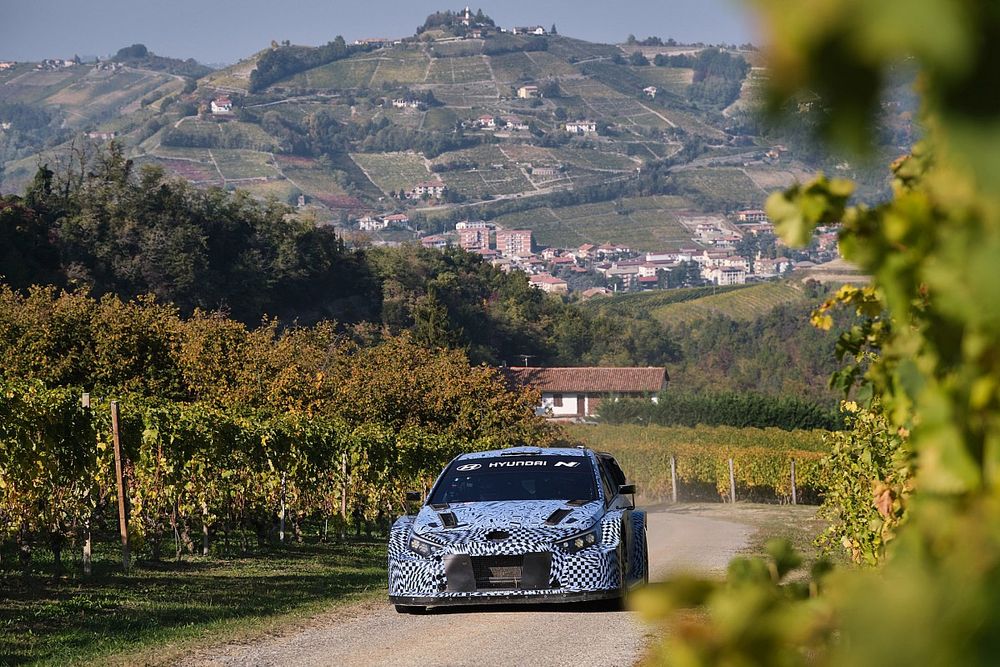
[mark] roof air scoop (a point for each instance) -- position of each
(448, 519)
(556, 517)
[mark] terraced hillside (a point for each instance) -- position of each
(351, 127)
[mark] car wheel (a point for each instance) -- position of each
(410, 609)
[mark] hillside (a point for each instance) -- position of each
(344, 130)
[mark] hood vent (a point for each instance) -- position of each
(497, 535)
(449, 519)
(557, 516)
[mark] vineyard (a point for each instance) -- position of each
(641, 223)
(224, 433)
(761, 460)
(745, 303)
(392, 172)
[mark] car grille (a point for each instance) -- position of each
(497, 571)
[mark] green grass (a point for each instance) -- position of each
(393, 171)
(646, 223)
(741, 304)
(162, 611)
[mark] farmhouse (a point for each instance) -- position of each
(546, 170)
(101, 136)
(752, 215)
(579, 392)
(514, 123)
(581, 127)
(529, 30)
(727, 275)
(435, 241)
(527, 92)
(650, 91)
(222, 106)
(401, 103)
(549, 283)
(7, 64)
(434, 189)
(371, 224)
(397, 219)
(471, 224)
(487, 122)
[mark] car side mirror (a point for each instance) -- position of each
(412, 497)
(627, 489)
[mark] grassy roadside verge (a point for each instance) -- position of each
(161, 611)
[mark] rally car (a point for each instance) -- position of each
(523, 524)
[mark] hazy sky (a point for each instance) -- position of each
(223, 31)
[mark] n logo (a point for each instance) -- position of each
(567, 464)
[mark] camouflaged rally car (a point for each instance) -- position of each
(520, 525)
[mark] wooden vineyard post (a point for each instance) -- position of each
(281, 530)
(794, 498)
(343, 487)
(120, 480)
(87, 537)
(732, 483)
(204, 528)
(673, 479)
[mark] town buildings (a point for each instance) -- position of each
(514, 242)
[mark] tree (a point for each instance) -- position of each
(637, 58)
(552, 30)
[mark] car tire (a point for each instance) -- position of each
(645, 561)
(410, 609)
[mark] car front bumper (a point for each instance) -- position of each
(506, 597)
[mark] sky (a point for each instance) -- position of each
(223, 31)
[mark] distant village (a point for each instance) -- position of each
(714, 256)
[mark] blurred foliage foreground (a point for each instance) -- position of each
(917, 503)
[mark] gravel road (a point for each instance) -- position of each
(374, 634)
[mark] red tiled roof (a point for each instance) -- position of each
(591, 379)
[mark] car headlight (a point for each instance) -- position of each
(580, 541)
(423, 547)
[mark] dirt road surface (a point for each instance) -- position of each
(374, 634)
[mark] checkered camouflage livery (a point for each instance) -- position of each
(615, 563)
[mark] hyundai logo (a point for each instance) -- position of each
(466, 467)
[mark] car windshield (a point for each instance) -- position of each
(517, 478)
